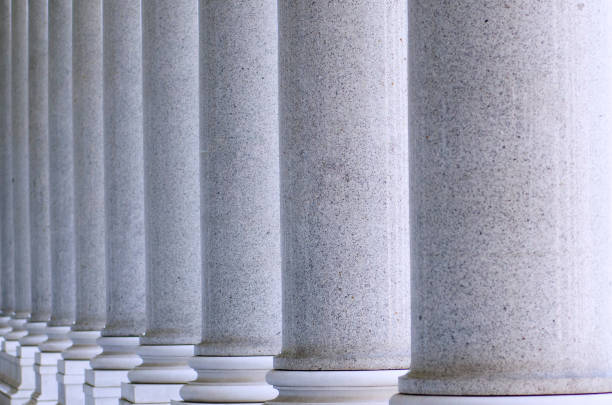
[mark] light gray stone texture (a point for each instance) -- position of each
(240, 184)
(6, 197)
(124, 169)
(510, 191)
(344, 179)
(89, 166)
(172, 171)
(21, 198)
(39, 160)
(61, 164)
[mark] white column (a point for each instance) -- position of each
(241, 318)
(124, 192)
(61, 178)
(172, 195)
(9, 362)
(39, 174)
(22, 373)
(88, 202)
(511, 194)
(7, 262)
(344, 198)
(19, 113)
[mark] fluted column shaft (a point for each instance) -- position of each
(172, 199)
(21, 205)
(39, 171)
(7, 262)
(510, 176)
(241, 319)
(343, 169)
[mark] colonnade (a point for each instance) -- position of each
(208, 202)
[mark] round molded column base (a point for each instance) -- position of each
(118, 353)
(164, 365)
(585, 399)
(84, 346)
(334, 387)
(18, 329)
(229, 380)
(57, 339)
(5, 327)
(37, 334)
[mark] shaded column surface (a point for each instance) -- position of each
(7, 275)
(511, 221)
(89, 200)
(344, 199)
(39, 173)
(124, 193)
(172, 198)
(241, 319)
(61, 187)
(20, 160)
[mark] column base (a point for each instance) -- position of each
(585, 399)
(5, 327)
(19, 381)
(158, 380)
(36, 334)
(334, 387)
(45, 371)
(229, 380)
(110, 369)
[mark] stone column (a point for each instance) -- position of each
(172, 195)
(9, 364)
(241, 319)
(21, 218)
(7, 274)
(124, 177)
(39, 174)
(344, 198)
(510, 160)
(88, 202)
(61, 179)
(22, 370)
